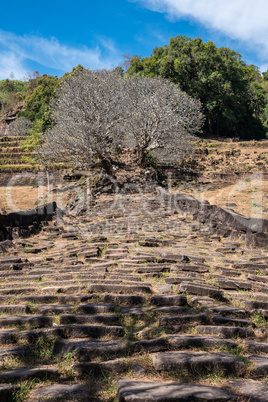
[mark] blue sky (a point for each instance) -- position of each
(54, 36)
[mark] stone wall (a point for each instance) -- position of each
(25, 223)
(223, 221)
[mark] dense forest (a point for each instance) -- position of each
(233, 94)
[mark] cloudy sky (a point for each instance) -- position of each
(54, 36)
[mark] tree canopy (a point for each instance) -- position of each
(217, 77)
(95, 112)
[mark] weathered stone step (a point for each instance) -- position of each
(160, 269)
(95, 308)
(88, 319)
(94, 252)
(104, 265)
(7, 337)
(150, 345)
(33, 250)
(65, 283)
(256, 347)
(111, 251)
(190, 268)
(239, 322)
(226, 331)
(175, 320)
(169, 300)
(10, 260)
(32, 278)
(256, 304)
(228, 271)
(200, 290)
(198, 362)
(233, 284)
(13, 308)
(260, 365)
(17, 291)
(7, 392)
(14, 351)
(62, 289)
(177, 280)
(94, 331)
(32, 336)
(202, 301)
(116, 365)
(128, 278)
(142, 391)
(34, 372)
(250, 265)
(191, 341)
(258, 278)
(9, 285)
(118, 288)
(86, 350)
(254, 391)
(124, 299)
(54, 308)
(172, 310)
(57, 391)
(116, 256)
(38, 321)
(226, 310)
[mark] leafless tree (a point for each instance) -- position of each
(162, 118)
(89, 111)
(96, 111)
(21, 126)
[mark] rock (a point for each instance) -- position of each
(253, 390)
(138, 369)
(170, 300)
(235, 321)
(34, 372)
(256, 347)
(145, 391)
(260, 365)
(94, 331)
(151, 345)
(200, 290)
(198, 362)
(124, 299)
(118, 288)
(190, 341)
(95, 308)
(7, 392)
(88, 319)
(226, 331)
(14, 351)
(96, 368)
(86, 350)
(58, 390)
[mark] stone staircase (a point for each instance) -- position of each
(133, 304)
(13, 158)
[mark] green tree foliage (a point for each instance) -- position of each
(33, 140)
(12, 92)
(232, 98)
(37, 102)
(75, 70)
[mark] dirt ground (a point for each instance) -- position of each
(231, 174)
(248, 197)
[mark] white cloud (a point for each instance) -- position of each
(244, 20)
(10, 63)
(52, 54)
